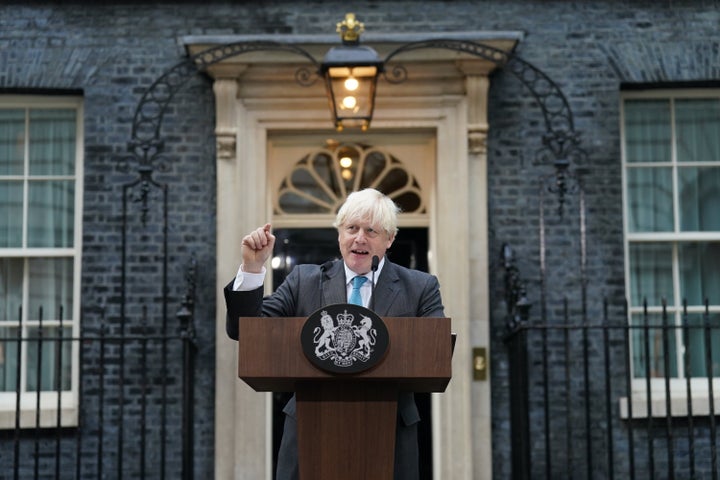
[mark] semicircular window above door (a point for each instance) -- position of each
(320, 181)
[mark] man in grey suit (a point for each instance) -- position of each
(367, 226)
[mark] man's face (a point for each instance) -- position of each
(359, 241)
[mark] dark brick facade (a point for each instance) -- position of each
(112, 53)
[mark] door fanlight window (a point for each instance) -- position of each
(321, 180)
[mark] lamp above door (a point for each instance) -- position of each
(350, 72)
(267, 67)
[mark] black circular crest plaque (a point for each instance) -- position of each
(344, 338)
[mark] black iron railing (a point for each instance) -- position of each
(130, 414)
(585, 402)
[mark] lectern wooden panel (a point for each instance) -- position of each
(346, 422)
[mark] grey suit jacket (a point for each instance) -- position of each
(399, 292)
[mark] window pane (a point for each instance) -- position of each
(52, 142)
(647, 131)
(53, 359)
(303, 180)
(394, 179)
(650, 199)
(697, 348)
(51, 213)
(650, 340)
(651, 274)
(291, 202)
(11, 214)
(322, 166)
(375, 165)
(50, 287)
(699, 199)
(348, 158)
(698, 130)
(700, 272)
(409, 201)
(11, 275)
(8, 359)
(12, 141)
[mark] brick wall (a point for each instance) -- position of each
(112, 53)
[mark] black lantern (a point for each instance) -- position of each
(350, 73)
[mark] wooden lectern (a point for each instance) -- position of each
(346, 422)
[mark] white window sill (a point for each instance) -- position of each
(48, 417)
(678, 405)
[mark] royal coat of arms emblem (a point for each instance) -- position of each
(344, 338)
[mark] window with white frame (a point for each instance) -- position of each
(671, 181)
(40, 253)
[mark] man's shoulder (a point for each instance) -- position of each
(305, 269)
(405, 272)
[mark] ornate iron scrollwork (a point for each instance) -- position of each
(561, 143)
(516, 302)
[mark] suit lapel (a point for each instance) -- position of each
(386, 290)
(334, 289)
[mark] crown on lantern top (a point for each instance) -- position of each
(350, 29)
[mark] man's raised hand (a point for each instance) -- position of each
(257, 246)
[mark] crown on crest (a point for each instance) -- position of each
(345, 319)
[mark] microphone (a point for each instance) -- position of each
(373, 267)
(323, 268)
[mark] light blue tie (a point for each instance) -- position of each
(355, 297)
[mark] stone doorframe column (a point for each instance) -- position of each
(445, 91)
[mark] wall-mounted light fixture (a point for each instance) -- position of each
(350, 72)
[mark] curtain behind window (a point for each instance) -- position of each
(672, 153)
(37, 211)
